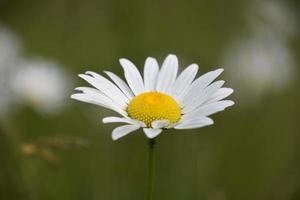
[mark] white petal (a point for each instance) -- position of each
(167, 74)
(121, 84)
(208, 109)
(94, 74)
(159, 124)
(117, 119)
(123, 130)
(205, 121)
(124, 120)
(184, 80)
(198, 98)
(133, 76)
(88, 90)
(99, 100)
(150, 73)
(199, 84)
(222, 93)
(152, 133)
(106, 87)
(94, 96)
(86, 98)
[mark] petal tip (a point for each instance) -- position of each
(73, 96)
(222, 82)
(151, 133)
(210, 122)
(220, 70)
(78, 89)
(195, 66)
(229, 103)
(150, 58)
(83, 76)
(123, 60)
(171, 55)
(114, 138)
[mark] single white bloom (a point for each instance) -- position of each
(259, 64)
(159, 100)
(260, 61)
(40, 84)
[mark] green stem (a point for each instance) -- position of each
(151, 168)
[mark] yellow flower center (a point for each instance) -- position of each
(150, 106)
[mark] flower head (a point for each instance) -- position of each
(40, 84)
(160, 100)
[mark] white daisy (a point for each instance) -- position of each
(40, 84)
(159, 101)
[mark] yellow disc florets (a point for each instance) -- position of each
(150, 106)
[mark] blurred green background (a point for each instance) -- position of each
(251, 152)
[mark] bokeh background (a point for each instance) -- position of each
(52, 147)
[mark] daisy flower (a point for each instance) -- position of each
(159, 100)
(40, 84)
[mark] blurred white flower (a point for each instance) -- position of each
(259, 64)
(37, 83)
(40, 84)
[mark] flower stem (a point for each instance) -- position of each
(151, 170)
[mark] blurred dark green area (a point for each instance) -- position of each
(252, 152)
